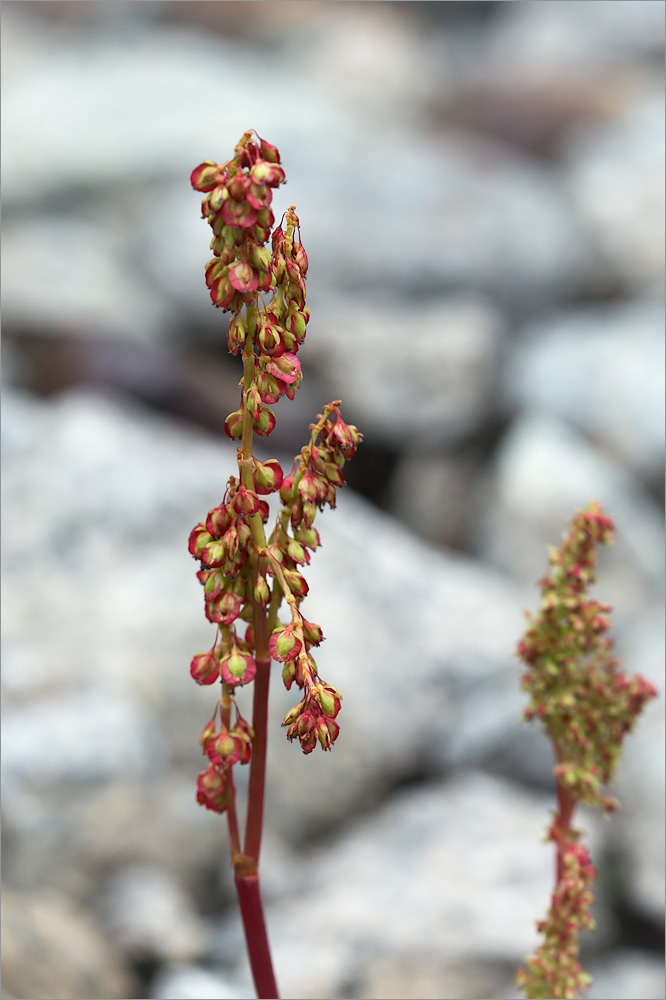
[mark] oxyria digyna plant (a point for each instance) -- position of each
(248, 571)
(586, 705)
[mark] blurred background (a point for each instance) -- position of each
(481, 192)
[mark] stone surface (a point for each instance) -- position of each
(616, 177)
(542, 473)
(192, 982)
(437, 394)
(150, 917)
(52, 948)
(638, 831)
(602, 370)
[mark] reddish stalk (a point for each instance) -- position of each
(247, 864)
(566, 804)
(254, 925)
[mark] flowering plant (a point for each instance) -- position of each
(245, 571)
(587, 705)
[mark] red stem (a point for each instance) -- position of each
(252, 913)
(247, 864)
(255, 806)
(566, 803)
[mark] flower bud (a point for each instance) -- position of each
(284, 644)
(328, 699)
(198, 540)
(268, 151)
(206, 176)
(233, 425)
(207, 732)
(236, 334)
(237, 667)
(261, 592)
(212, 789)
(205, 668)
(243, 277)
(239, 214)
(265, 422)
(223, 610)
(245, 501)
(266, 476)
(219, 520)
(327, 732)
(287, 368)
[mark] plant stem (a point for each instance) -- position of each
(254, 925)
(255, 805)
(566, 804)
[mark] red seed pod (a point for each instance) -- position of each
(233, 425)
(212, 789)
(206, 176)
(284, 644)
(205, 668)
(266, 476)
(266, 422)
(268, 151)
(238, 667)
(219, 520)
(200, 537)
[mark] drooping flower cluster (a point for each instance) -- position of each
(224, 748)
(310, 486)
(245, 574)
(587, 705)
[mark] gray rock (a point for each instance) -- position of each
(192, 982)
(92, 285)
(429, 493)
(553, 37)
(53, 948)
(637, 833)
(600, 369)
(543, 472)
(616, 178)
(627, 974)
(393, 395)
(149, 916)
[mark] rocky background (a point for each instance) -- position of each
(481, 193)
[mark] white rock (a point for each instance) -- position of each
(616, 177)
(544, 472)
(192, 982)
(601, 369)
(398, 393)
(149, 916)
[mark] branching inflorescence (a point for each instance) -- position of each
(587, 705)
(247, 573)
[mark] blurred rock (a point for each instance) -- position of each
(627, 974)
(438, 395)
(430, 494)
(51, 948)
(91, 285)
(565, 38)
(543, 472)
(602, 370)
(616, 177)
(149, 916)
(423, 977)
(637, 832)
(191, 982)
